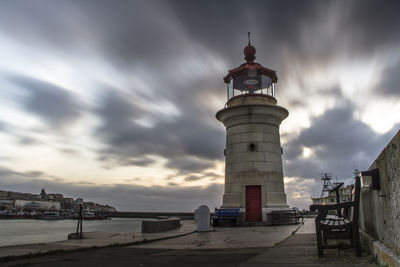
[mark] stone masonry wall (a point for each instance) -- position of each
(253, 153)
(380, 209)
(261, 166)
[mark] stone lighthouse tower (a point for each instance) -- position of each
(253, 154)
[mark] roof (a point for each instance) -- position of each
(244, 69)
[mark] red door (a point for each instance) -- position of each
(253, 203)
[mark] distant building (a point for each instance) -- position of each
(3, 194)
(43, 201)
(36, 205)
(330, 198)
(108, 209)
(55, 197)
(68, 203)
(6, 204)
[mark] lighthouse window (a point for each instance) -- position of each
(252, 147)
(230, 90)
(247, 83)
(266, 82)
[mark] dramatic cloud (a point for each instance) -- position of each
(125, 197)
(2, 126)
(11, 176)
(299, 191)
(336, 142)
(390, 84)
(378, 31)
(127, 139)
(20, 135)
(137, 85)
(191, 164)
(55, 105)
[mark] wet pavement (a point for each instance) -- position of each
(228, 237)
(95, 239)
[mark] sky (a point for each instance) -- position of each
(115, 101)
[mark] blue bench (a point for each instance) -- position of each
(225, 214)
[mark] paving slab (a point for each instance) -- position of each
(245, 246)
(301, 250)
(228, 237)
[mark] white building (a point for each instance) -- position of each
(37, 205)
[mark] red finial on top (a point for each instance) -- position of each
(249, 52)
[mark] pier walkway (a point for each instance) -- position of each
(240, 246)
(94, 240)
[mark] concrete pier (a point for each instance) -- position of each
(236, 246)
(162, 225)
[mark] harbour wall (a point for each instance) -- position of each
(155, 226)
(380, 209)
(133, 214)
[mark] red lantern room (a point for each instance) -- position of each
(250, 77)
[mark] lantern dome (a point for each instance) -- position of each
(250, 77)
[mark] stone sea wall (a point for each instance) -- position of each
(380, 209)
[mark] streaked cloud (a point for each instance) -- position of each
(124, 196)
(133, 87)
(54, 105)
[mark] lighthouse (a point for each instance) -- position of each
(253, 152)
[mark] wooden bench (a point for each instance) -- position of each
(343, 226)
(336, 191)
(284, 217)
(225, 214)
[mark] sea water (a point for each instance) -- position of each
(24, 231)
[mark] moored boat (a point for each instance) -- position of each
(51, 215)
(90, 215)
(9, 214)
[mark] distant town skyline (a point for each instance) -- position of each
(13, 203)
(115, 102)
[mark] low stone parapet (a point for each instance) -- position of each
(385, 255)
(160, 225)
